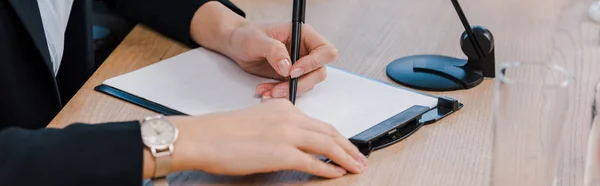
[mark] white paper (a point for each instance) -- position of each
(200, 81)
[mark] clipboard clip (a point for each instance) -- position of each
(402, 125)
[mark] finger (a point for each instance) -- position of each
(316, 59)
(322, 144)
(342, 141)
(276, 54)
(266, 96)
(320, 52)
(311, 39)
(305, 84)
(261, 89)
(312, 165)
(308, 163)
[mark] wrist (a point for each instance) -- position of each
(213, 24)
(150, 162)
(191, 150)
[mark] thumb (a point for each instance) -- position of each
(276, 54)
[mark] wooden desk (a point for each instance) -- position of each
(369, 34)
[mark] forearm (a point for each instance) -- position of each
(171, 19)
(213, 24)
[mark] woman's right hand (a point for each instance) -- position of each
(268, 137)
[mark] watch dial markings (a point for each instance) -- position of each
(158, 133)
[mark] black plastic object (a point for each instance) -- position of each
(404, 124)
(393, 129)
(401, 126)
(444, 73)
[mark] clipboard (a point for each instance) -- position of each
(383, 133)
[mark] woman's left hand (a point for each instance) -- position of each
(263, 50)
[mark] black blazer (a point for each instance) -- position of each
(30, 96)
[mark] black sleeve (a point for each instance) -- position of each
(170, 18)
(80, 154)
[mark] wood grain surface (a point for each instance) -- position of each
(592, 166)
(369, 34)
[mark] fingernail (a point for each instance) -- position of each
(339, 170)
(296, 73)
(361, 158)
(359, 167)
(261, 90)
(278, 93)
(266, 97)
(284, 67)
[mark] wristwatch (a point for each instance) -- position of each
(159, 135)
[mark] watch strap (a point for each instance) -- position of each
(162, 166)
(161, 170)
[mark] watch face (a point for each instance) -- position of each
(158, 133)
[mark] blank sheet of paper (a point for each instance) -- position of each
(200, 81)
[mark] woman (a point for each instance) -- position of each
(267, 137)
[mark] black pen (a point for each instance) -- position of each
(297, 21)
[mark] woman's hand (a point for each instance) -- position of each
(263, 50)
(268, 137)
